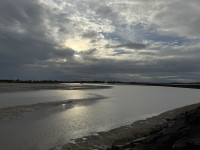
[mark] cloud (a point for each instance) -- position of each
(39, 40)
(105, 69)
(121, 52)
(129, 45)
(25, 38)
(89, 34)
(181, 17)
(106, 12)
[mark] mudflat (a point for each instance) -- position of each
(11, 112)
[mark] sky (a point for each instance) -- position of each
(129, 40)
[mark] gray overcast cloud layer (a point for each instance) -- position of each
(129, 40)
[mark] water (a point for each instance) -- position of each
(45, 129)
(42, 96)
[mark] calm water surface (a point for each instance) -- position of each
(45, 129)
(41, 96)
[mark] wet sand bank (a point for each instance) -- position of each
(12, 112)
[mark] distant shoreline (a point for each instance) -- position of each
(30, 86)
(195, 85)
(21, 87)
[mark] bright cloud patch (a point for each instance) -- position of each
(78, 44)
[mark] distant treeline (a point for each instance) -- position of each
(56, 81)
(29, 81)
(96, 81)
(53, 81)
(173, 84)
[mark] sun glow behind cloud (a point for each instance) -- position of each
(78, 44)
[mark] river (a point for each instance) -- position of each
(110, 108)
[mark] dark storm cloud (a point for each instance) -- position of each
(30, 19)
(26, 51)
(129, 45)
(20, 10)
(24, 37)
(20, 17)
(105, 69)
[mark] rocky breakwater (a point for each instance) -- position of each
(181, 133)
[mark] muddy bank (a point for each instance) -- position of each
(124, 134)
(20, 87)
(183, 133)
(12, 112)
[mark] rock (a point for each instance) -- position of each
(165, 140)
(194, 141)
(153, 138)
(116, 147)
(140, 147)
(180, 144)
(194, 119)
(174, 128)
(162, 147)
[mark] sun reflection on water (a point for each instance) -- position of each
(74, 94)
(63, 106)
(78, 109)
(77, 116)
